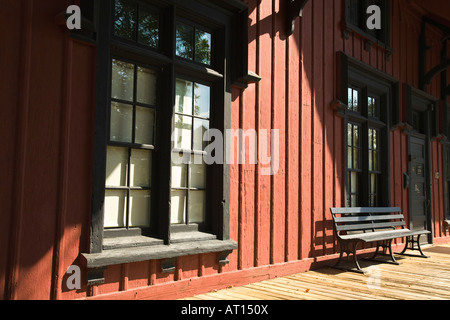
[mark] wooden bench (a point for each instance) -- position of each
(366, 225)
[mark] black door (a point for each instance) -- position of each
(420, 199)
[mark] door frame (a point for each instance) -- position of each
(417, 100)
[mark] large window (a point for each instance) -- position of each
(163, 81)
(370, 97)
(364, 140)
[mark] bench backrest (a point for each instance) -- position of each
(359, 220)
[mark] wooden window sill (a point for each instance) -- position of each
(140, 253)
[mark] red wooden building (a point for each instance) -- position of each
(93, 119)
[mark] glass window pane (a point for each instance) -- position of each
(184, 41)
(350, 158)
(350, 99)
(356, 159)
(125, 19)
(122, 80)
(198, 175)
(183, 132)
(145, 126)
(355, 101)
(179, 175)
(178, 207)
(354, 182)
(350, 134)
(146, 86)
(376, 162)
(140, 168)
(371, 161)
(121, 122)
(197, 204)
(202, 101)
(115, 208)
(140, 202)
(202, 47)
(116, 167)
(183, 97)
(356, 136)
(148, 28)
(200, 127)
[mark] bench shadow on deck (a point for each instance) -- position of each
(414, 279)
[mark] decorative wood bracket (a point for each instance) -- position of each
(168, 265)
(223, 257)
(96, 276)
(294, 9)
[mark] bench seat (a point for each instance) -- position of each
(383, 235)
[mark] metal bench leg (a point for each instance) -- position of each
(345, 248)
(387, 251)
(410, 240)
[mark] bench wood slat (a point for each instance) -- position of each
(365, 210)
(368, 218)
(368, 226)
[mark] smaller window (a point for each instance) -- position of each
(357, 16)
(193, 43)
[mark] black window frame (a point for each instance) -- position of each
(382, 37)
(221, 17)
(369, 81)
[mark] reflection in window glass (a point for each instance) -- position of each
(125, 19)
(192, 112)
(202, 47)
(184, 42)
(193, 44)
(127, 25)
(148, 31)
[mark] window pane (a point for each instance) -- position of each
(183, 98)
(350, 158)
(356, 136)
(184, 41)
(200, 127)
(198, 175)
(121, 122)
(116, 167)
(371, 161)
(146, 86)
(373, 184)
(203, 47)
(354, 176)
(140, 168)
(139, 208)
(145, 126)
(178, 207)
(122, 80)
(125, 19)
(356, 159)
(115, 208)
(202, 100)
(183, 132)
(197, 203)
(350, 134)
(148, 28)
(179, 175)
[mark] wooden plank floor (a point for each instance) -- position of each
(414, 279)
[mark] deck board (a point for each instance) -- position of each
(414, 279)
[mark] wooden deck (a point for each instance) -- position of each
(414, 279)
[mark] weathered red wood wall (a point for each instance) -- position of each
(281, 222)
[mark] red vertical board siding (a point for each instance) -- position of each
(278, 184)
(279, 221)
